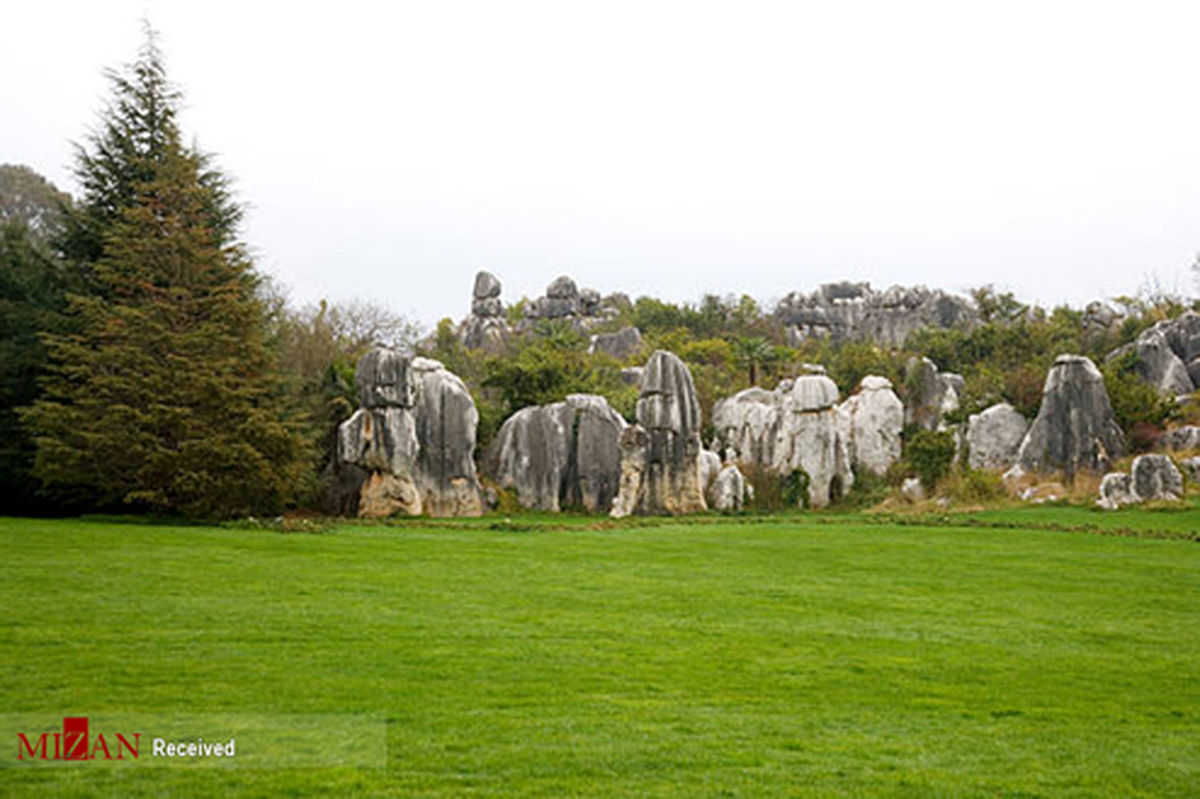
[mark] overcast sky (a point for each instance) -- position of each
(389, 151)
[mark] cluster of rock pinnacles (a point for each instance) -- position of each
(410, 448)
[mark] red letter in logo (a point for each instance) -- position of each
(21, 739)
(75, 737)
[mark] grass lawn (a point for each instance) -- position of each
(713, 658)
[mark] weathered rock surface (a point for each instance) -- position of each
(485, 327)
(1100, 319)
(930, 394)
(1192, 467)
(669, 414)
(1074, 429)
(1155, 477)
(1168, 354)
(411, 445)
(729, 490)
(1151, 477)
(1181, 438)
(994, 437)
(621, 345)
(1116, 490)
(563, 454)
(855, 311)
(710, 467)
(870, 422)
(796, 426)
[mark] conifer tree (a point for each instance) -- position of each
(165, 396)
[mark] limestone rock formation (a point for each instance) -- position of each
(1168, 354)
(621, 345)
(1100, 319)
(871, 421)
(796, 426)
(562, 454)
(1181, 438)
(485, 327)
(930, 394)
(729, 490)
(1192, 467)
(994, 437)
(669, 415)
(855, 311)
(1116, 490)
(1074, 429)
(1155, 477)
(1151, 477)
(410, 447)
(710, 467)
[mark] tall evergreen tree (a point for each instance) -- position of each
(166, 394)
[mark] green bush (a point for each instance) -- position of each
(929, 455)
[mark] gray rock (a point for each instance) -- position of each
(489, 333)
(589, 302)
(632, 376)
(748, 424)
(668, 412)
(710, 467)
(553, 308)
(1100, 318)
(1116, 490)
(621, 345)
(1166, 354)
(562, 288)
(729, 490)
(912, 490)
(1192, 467)
(1075, 429)
(929, 394)
(490, 307)
(809, 439)
(870, 422)
(854, 311)
(796, 426)
(562, 454)
(411, 446)
(1155, 477)
(633, 443)
(1181, 438)
(994, 437)
(487, 286)
(383, 380)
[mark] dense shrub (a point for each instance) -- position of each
(928, 455)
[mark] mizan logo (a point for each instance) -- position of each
(73, 744)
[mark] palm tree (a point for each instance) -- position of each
(753, 353)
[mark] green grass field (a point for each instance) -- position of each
(797, 656)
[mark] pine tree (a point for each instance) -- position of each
(166, 396)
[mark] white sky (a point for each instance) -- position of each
(390, 150)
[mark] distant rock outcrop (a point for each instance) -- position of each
(1074, 429)
(871, 420)
(621, 344)
(1168, 355)
(559, 455)
(410, 448)
(854, 311)
(485, 327)
(661, 465)
(994, 437)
